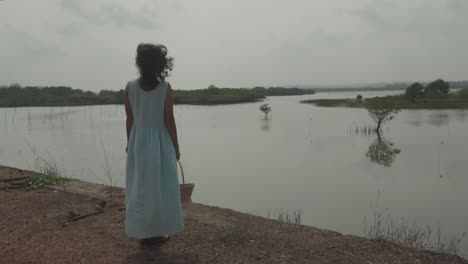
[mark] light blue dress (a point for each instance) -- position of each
(153, 206)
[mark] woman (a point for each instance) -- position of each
(153, 206)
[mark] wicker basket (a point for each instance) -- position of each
(186, 189)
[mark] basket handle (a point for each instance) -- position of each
(182, 171)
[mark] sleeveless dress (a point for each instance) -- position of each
(153, 206)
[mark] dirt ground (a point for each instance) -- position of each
(32, 230)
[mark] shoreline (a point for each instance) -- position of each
(34, 231)
(353, 103)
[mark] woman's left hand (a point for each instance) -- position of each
(177, 154)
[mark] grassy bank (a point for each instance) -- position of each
(36, 232)
(457, 100)
(17, 96)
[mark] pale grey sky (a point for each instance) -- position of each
(91, 45)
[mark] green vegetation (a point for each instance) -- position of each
(437, 88)
(359, 98)
(266, 109)
(17, 96)
(416, 90)
(40, 180)
(381, 110)
(334, 102)
(214, 95)
(48, 172)
(463, 93)
(435, 95)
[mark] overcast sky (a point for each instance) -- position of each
(91, 45)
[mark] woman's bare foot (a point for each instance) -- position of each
(159, 240)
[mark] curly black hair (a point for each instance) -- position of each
(153, 63)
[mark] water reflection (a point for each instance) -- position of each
(461, 115)
(416, 123)
(436, 118)
(416, 118)
(439, 119)
(382, 151)
(363, 130)
(5, 119)
(265, 124)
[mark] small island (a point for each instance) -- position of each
(434, 95)
(17, 96)
(216, 96)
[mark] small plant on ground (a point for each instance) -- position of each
(266, 109)
(40, 180)
(107, 167)
(287, 217)
(44, 166)
(47, 169)
(406, 233)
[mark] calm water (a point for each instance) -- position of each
(304, 157)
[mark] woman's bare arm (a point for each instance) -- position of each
(128, 111)
(169, 119)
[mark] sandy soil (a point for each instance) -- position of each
(32, 231)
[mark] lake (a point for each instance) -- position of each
(303, 158)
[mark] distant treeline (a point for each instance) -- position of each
(386, 87)
(363, 89)
(17, 96)
(281, 91)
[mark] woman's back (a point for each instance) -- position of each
(148, 106)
